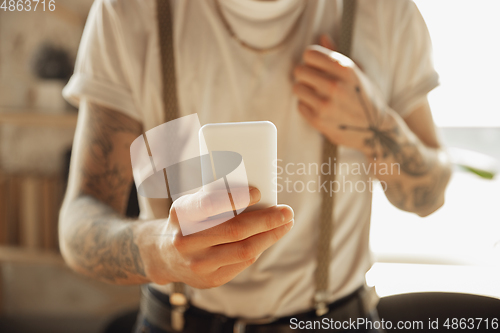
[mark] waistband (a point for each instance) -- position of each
(156, 308)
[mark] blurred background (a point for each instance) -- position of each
(456, 250)
(38, 293)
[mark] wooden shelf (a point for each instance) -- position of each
(32, 118)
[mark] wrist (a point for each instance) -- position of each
(385, 139)
(152, 242)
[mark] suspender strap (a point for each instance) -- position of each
(347, 30)
(166, 41)
(326, 223)
(178, 297)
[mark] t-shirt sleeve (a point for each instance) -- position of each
(413, 71)
(100, 72)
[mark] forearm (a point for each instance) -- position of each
(414, 175)
(97, 242)
(340, 101)
(94, 237)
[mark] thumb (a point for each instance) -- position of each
(326, 41)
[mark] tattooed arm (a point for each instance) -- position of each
(409, 160)
(337, 99)
(95, 238)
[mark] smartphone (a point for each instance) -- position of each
(256, 142)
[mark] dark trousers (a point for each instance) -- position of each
(145, 326)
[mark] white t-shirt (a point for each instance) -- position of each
(118, 66)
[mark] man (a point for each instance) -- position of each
(241, 61)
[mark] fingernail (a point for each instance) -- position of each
(286, 214)
(254, 195)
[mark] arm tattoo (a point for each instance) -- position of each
(105, 177)
(102, 243)
(409, 157)
(383, 142)
(397, 195)
(426, 194)
(421, 196)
